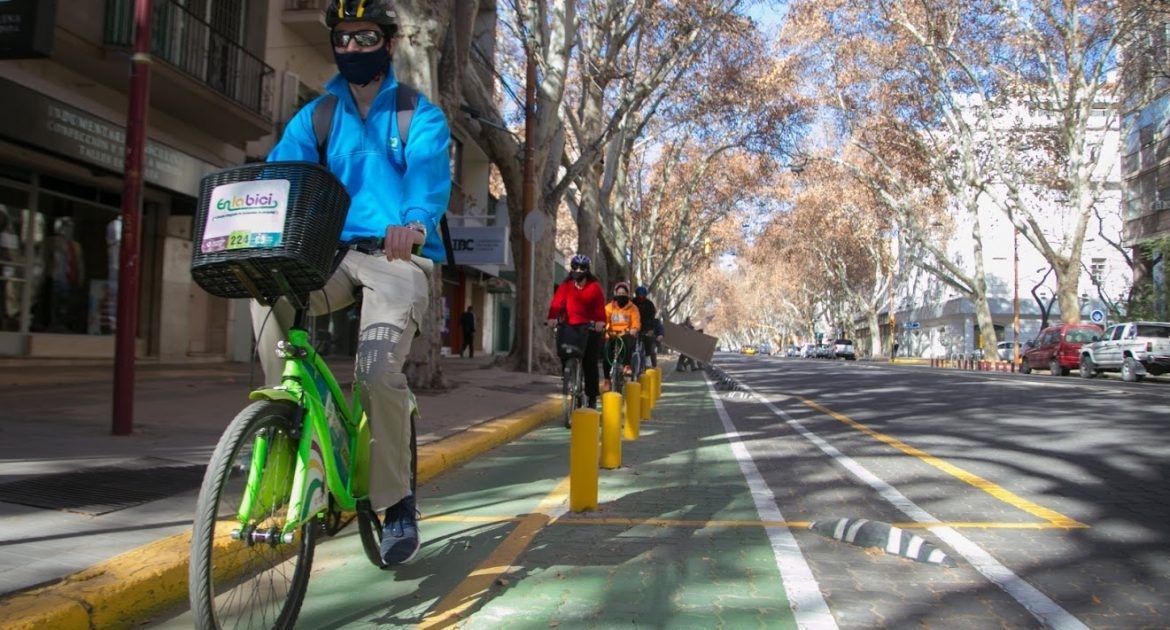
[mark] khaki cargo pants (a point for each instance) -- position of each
(395, 298)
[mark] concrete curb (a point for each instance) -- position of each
(125, 590)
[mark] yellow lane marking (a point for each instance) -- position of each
(1055, 519)
(667, 522)
(471, 590)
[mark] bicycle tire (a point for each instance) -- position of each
(617, 375)
(239, 584)
(369, 524)
(570, 389)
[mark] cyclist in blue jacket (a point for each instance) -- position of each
(398, 195)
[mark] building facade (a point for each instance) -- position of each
(226, 76)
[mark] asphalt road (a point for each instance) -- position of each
(1047, 493)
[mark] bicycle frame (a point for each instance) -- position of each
(332, 452)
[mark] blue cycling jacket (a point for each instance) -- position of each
(387, 185)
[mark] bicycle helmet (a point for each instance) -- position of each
(580, 260)
(380, 12)
(622, 285)
(641, 291)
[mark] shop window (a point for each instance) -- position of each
(75, 289)
(14, 267)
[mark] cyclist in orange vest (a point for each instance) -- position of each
(621, 320)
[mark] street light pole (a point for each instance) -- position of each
(528, 284)
(126, 332)
(890, 296)
(1015, 297)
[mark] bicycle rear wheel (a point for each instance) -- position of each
(246, 575)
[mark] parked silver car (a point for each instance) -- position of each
(1005, 350)
(843, 349)
(1133, 348)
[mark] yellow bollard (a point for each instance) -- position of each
(657, 383)
(611, 430)
(583, 460)
(647, 397)
(647, 381)
(633, 427)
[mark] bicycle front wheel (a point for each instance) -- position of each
(246, 574)
(571, 390)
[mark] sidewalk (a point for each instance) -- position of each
(57, 419)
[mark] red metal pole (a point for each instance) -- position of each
(127, 327)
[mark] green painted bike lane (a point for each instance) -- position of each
(675, 542)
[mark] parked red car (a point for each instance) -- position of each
(1058, 348)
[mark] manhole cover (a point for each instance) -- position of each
(97, 491)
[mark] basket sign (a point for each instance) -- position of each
(246, 215)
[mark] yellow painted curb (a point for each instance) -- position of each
(116, 593)
(458, 449)
(126, 590)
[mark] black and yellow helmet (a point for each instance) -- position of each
(380, 12)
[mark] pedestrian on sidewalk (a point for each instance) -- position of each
(389, 239)
(467, 323)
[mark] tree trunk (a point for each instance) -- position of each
(427, 31)
(1066, 294)
(875, 341)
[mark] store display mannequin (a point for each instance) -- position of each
(9, 252)
(113, 243)
(66, 276)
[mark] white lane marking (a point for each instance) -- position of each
(809, 608)
(1040, 605)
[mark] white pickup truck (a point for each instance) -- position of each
(1133, 348)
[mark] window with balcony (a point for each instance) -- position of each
(203, 39)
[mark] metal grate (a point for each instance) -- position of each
(106, 489)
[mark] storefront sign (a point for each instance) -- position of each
(50, 124)
(480, 245)
(26, 28)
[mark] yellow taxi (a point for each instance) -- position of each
(747, 350)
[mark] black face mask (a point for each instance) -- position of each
(622, 300)
(577, 275)
(362, 67)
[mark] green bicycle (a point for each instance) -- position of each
(293, 465)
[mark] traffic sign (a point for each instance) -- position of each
(535, 225)
(1097, 316)
(912, 325)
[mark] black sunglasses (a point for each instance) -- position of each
(577, 267)
(364, 39)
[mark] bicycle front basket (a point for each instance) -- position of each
(262, 226)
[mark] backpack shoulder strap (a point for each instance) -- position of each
(323, 124)
(405, 102)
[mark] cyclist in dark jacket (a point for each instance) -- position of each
(649, 317)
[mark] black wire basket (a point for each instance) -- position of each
(267, 230)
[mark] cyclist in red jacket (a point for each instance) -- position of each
(580, 303)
